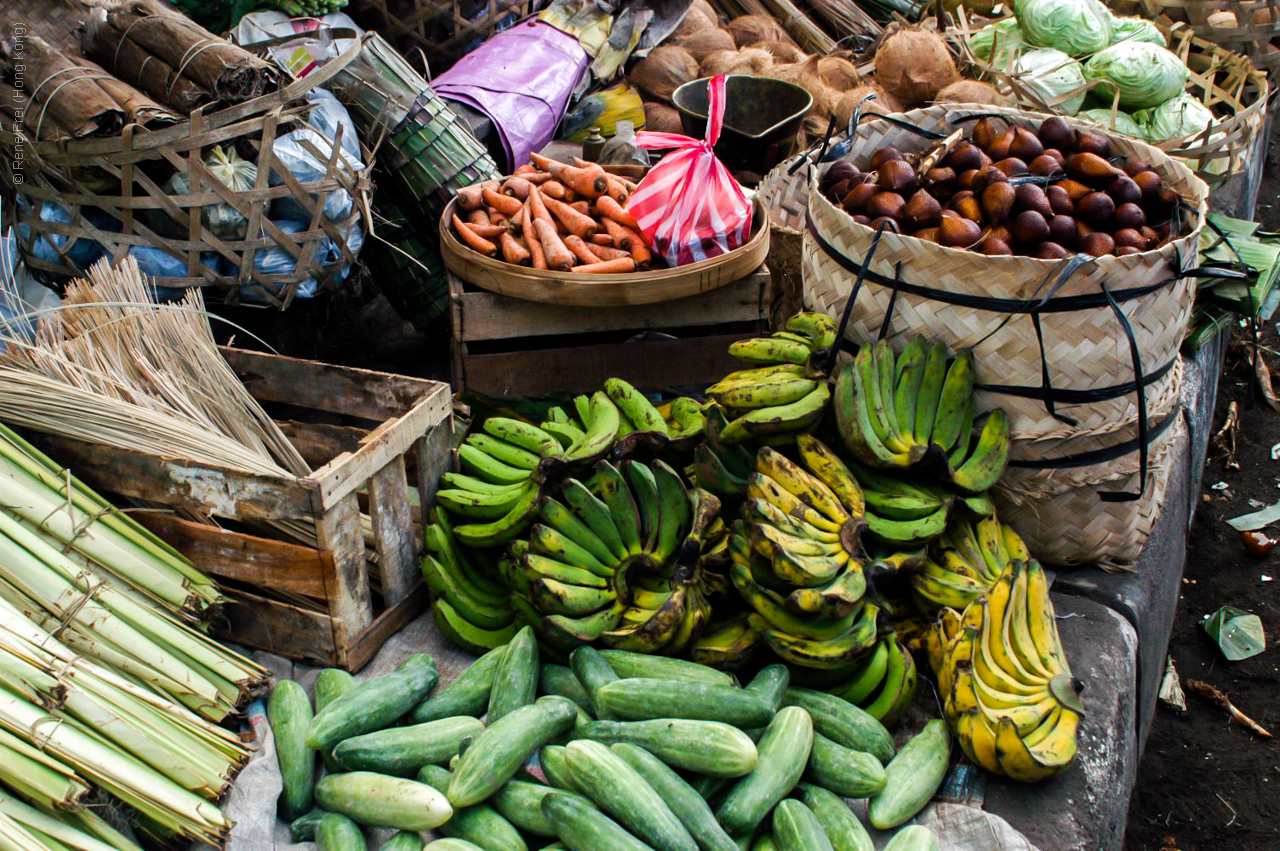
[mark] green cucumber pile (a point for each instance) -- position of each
(617, 751)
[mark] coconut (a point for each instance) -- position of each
(694, 22)
(805, 74)
(970, 91)
(705, 7)
(749, 61)
(660, 118)
(703, 44)
(914, 65)
(750, 29)
(844, 105)
(839, 74)
(664, 70)
(782, 51)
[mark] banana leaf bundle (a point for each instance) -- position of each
(404, 258)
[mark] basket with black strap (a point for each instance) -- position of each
(1082, 354)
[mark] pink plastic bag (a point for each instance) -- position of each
(688, 206)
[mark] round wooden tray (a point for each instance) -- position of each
(569, 289)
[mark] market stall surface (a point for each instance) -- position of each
(1204, 781)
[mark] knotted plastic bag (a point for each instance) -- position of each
(688, 206)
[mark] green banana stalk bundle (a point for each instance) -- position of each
(1009, 693)
(786, 391)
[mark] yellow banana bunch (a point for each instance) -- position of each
(1010, 696)
(786, 391)
(965, 563)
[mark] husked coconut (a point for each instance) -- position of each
(805, 74)
(750, 29)
(783, 51)
(694, 22)
(970, 91)
(883, 104)
(660, 118)
(703, 44)
(914, 65)
(664, 70)
(749, 61)
(705, 7)
(838, 73)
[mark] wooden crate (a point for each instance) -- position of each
(305, 603)
(506, 347)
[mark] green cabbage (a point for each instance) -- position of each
(1124, 122)
(1176, 118)
(1076, 27)
(1135, 29)
(1004, 36)
(1145, 74)
(1050, 74)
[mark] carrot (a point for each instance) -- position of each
(472, 239)
(558, 256)
(620, 233)
(491, 184)
(581, 250)
(606, 252)
(553, 189)
(616, 190)
(587, 182)
(608, 267)
(580, 162)
(639, 251)
(513, 252)
(517, 187)
(578, 223)
(469, 198)
(525, 220)
(538, 207)
(504, 204)
(488, 231)
(613, 210)
(547, 164)
(602, 239)
(526, 169)
(631, 186)
(582, 207)
(538, 178)
(478, 217)
(498, 220)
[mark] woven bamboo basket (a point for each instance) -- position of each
(113, 175)
(1226, 82)
(1256, 26)
(1062, 513)
(440, 32)
(785, 197)
(1083, 351)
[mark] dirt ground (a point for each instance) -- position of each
(1205, 782)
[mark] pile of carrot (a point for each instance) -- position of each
(553, 215)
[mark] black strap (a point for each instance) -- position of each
(1136, 355)
(853, 297)
(1080, 397)
(1103, 455)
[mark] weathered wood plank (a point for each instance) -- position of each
(320, 443)
(648, 363)
(362, 393)
(434, 458)
(369, 642)
(393, 531)
(182, 483)
(483, 315)
(234, 555)
(347, 588)
(278, 627)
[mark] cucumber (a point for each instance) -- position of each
(560, 681)
(683, 799)
(336, 832)
(621, 791)
(784, 752)
(770, 684)
(382, 801)
(375, 704)
(913, 837)
(708, 786)
(764, 842)
(630, 664)
(401, 751)
(643, 699)
(841, 825)
(853, 774)
(555, 767)
(843, 723)
(481, 824)
(594, 672)
(497, 753)
(303, 828)
(452, 844)
(515, 682)
(331, 684)
(796, 828)
(467, 695)
(913, 777)
(706, 747)
(581, 827)
(520, 803)
(289, 713)
(403, 841)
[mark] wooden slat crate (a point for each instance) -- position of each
(506, 347)
(301, 602)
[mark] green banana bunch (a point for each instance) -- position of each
(903, 513)
(1010, 696)
(882, 681)
(719, 467)
(965, 562)
(589, 435)
(729, 645)
(471, 600)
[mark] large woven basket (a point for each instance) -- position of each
(1073, 339)
(1224, 81)
(440, 32)
(1257, 24)
(112, 175)
(785, 196)
(1063, 513)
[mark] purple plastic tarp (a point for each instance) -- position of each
(521, 78)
